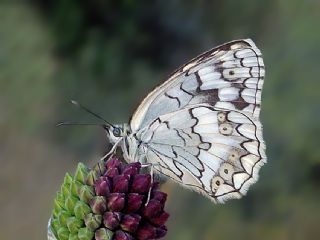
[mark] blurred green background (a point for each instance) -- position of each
(108, 55)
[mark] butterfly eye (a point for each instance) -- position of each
(226, 170)
(216, 182)
(116, 132)
(225, 128)
(221, 117)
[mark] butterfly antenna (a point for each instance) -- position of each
(89, 111)
(60, 124)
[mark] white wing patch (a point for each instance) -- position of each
(212, 151)
(201, 127)
(230, 76)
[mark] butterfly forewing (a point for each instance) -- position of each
(201, 127)
(230, 76)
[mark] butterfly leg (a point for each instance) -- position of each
(125, 152)
(112, 151)
(151, 165)
(146, 165)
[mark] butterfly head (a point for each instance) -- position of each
(116, 132)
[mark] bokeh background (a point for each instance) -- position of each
(108, 55)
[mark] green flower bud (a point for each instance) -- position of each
(81, 210)
(98, 204)
(100, 168)
(55, 213)
(92, 177)
(74, 224)
(103, 234)
(55, 224)
(58, 205)
(93, 221)
(67, 179)
(60, 197)
(65, 190)
(73, 236)
(63, 216)
(63, 233)
(75, 188)
(70, 203)
(86, 193)
(85, 234)
(81, 173)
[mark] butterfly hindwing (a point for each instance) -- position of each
(209, 150)
(201, 127)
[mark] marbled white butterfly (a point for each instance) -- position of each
(201, 127)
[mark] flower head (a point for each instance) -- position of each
(112, 201)
(131, 213)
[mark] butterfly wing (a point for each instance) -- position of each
(213, 151)
(229, 76)
(201, 127)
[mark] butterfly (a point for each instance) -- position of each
(201, 127)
